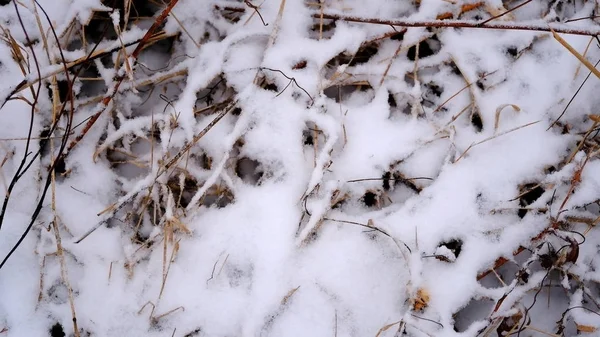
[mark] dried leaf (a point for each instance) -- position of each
(386, 328)
(299, 65)
(586, 328)
(499, 110)
(421, 300)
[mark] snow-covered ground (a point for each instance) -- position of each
(299, 168)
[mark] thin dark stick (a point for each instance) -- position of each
(508, 11)
(249, 4)
(572, 98)
(371, 228)
(26, 153)
(291, 80)
(532, 26)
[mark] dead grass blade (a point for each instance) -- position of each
(575, 53)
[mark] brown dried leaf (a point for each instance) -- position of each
(585, 328)
(421, 300)
(299, 65)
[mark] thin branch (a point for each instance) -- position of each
(504, 13)
(530, 26)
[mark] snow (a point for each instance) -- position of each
(270, 179)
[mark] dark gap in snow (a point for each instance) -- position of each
(476, 121)
(327, 29)
(363, 55)
(529, 193)
(431, 93)
(343, 93)
(370, 199)
(57, 330)
(267, 84)
(139, 9)
(95, 30)
(480, 85)
(307, 137)
(426, 48)
(205, 161)
(90, 88)
(60, 167)
(399, 36)
(4, 2)
(454, 246)
(312, 134)
(45, 141)
(63, 89)
(125, 166)
(183, 194)
(376, 199)
(392, 101)
(218, 195)
(387, 178)
(512, 51)
(215, 91)
(475, 310)
(249, 170)
(157, 56)
(194, 333)
(233, 16)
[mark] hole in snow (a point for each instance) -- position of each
(449, 251)
(529, 193)
(476, 121)
(312, 134)
(57, 330)
(249, 170)
(60, 168)
(217, 195)
(44, 142)
(363, 55)
(100, 27)
(512, 51)
(89, 86)
(392, 101)
(216, 91)
(325, 30)
(267, 84)
(376, 199)
(194, 333)
(139, 9)
(370, 199)
(427, 48)
(474, 311)
(183, 193)
(431, 93)
(357, 93)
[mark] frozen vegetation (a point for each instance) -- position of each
(299, 168)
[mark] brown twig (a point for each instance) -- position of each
(530, 26)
